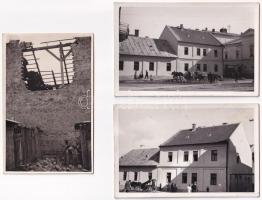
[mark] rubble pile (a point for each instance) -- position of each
(52, 164)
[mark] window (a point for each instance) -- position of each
(168, 67)
(170, 156)
(168, 177)
(186, 67)
(149, 175)
(253, 156)
(213, 179)
(237, 54)
(251, 50)
(151, 66)
(184, 178)
(135, 177)
(215, 53)
(186, 51)
(205, 67)
(195, 155)
(226, 55)
(136, 66)
(216, 68)
(213, 155)
(198, 67)
(124, 176)
(198, 51)
(194, 178)
(121, 65)
(204, 52)
(185, 156)
(238, 158)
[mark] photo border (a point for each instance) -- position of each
(5, 172)
(256, 193)
(121, 93)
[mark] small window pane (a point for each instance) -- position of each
(168, 67)
(151, 66)
(136, 66)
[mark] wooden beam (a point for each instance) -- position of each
(37, 66)
(63, 56)
(68, 53)
(54, 78)
(47, 47)
(53, 54)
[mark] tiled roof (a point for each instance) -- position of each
(146, 47)
(140, 157)
(201, 135)
(194, 36)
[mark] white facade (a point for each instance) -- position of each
(161, 66)
(216, 167)
(208, 57)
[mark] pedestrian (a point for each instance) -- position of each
(207, 189)
(146, 76)
(189, 188)
(194, 187)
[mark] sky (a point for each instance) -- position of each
(151, 20)
(151, 126)
(46, 61)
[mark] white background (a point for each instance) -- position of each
(88, 16)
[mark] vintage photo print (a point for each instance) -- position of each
(185, 151)
(187, 49)
(48, 82)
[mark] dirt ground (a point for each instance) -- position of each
(229, 85)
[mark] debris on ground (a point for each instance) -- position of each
(53, 165)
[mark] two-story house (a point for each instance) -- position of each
(239, 55)
(197, 50)
(138, 55)
(216, 159)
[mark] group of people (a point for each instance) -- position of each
(72, 154)
(192, 188)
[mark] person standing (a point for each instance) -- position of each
(189, 188)
(146, 76)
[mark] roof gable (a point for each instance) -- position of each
(194, 36)
(140, 157)
(205, 135)
(146, 47)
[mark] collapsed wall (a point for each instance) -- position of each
(55, 112)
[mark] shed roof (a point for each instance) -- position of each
(201, 135)
(140, 157)
(146, 47)
(194, 36)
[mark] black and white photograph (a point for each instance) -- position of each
(189, 49)
(49, 102)
(192, 150)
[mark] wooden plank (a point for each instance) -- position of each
(54, 78)
(53, 54)
(46, 47)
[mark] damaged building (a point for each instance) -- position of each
(49, 114)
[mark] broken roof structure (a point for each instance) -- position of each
(140, 46)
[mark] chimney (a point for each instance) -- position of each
(136, 32)
(181, 26)
(206, 29)
(193, 127)
(223, 30)
(213, 30)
